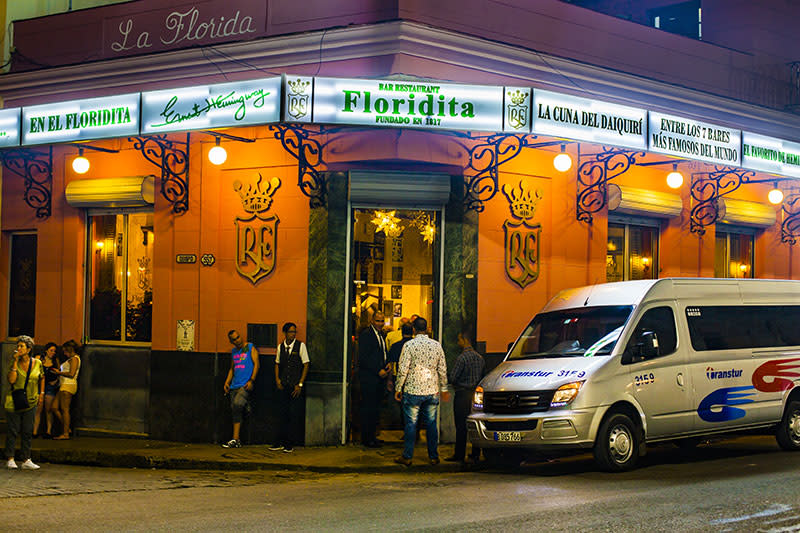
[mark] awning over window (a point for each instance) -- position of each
(746, 213)
(130, 191)
(644, 202)
(399, 189)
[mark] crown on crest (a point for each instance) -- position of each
(523, 199)
(517, 97)
(298, 86)
(254, 198)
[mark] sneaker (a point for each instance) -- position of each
(233, 443)
(29, 465)
(434, 461)
(276, 448)
(11, 464)
(402, 460)
(288, 449)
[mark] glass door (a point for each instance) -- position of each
(394, 270)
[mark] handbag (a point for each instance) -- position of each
(20, 396)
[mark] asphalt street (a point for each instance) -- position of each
(745, 484)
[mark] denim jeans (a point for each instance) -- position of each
(415, 405)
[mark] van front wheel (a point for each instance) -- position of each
(617, 446)
(788, 433)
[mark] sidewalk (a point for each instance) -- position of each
(139, 453)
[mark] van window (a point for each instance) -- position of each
(738, 326)
(571, 333)
(659, 324)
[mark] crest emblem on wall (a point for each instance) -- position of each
(517, 109)
(522, 236)
(297, 99)
(256, 236)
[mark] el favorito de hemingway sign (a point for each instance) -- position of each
(394, 103)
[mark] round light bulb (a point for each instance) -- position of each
(217, 155)
(674, 179)
(562, 162)
(80, 165)
(775, 196)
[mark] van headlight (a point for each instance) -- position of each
(565, 394)
(477, 398)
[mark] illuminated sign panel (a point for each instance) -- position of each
(772, 155)
(79, 120)
(517, 109)
(683, 137)
(408, 104)
(9, 127)
(297, 97)
(583, 119)
(212, 106)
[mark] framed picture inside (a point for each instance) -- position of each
(398, 309)
(397, 250)
(377, 252)
(397, 273)
(388, 308)
(397, 292)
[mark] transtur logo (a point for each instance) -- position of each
(525, 374)
(723, 374)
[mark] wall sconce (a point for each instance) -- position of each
(80, 164)
(775, 196)
(646, 262)
(562, 161)
(743, 268)
(217, 155)
(99, 246)
(674, 178)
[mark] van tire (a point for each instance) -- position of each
(788, 432)
(616, 448)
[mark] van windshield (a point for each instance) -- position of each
(584, 332)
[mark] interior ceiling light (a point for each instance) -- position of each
(217, 155)
(775, 196)
(387, 223)
(674, 178)
(80, 164)
(562, 161)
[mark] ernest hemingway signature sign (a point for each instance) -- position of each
(212, 106)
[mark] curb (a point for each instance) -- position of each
(129, 460)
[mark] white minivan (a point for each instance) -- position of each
(614, 366)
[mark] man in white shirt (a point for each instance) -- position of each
(421, 379)
(291, 369)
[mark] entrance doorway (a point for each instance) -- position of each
(394, 265)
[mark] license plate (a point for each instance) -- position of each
(507, 436)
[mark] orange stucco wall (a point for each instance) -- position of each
(216, 297)
(573, 253)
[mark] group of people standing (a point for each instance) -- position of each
(406, 362)
(415, 370)
(291, 369)
(42, 383)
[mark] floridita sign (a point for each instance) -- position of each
(395, 103)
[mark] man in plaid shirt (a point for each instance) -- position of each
(464, 377)
(421, 376)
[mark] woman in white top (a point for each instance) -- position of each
(68, 386)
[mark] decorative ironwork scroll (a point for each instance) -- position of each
(594, 175)
(707, 189)
(299, 141)
(485, 158)
(172, 157)
(790, 227)
(36, 168)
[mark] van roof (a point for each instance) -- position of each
(750, 291)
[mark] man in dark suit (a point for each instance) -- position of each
(372, 371)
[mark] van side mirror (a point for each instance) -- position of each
(645, 346)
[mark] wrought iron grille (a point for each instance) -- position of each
(36, 169)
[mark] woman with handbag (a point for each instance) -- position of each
(27, 390)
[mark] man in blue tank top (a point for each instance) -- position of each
(239, 383)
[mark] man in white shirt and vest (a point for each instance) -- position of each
(291, 369)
